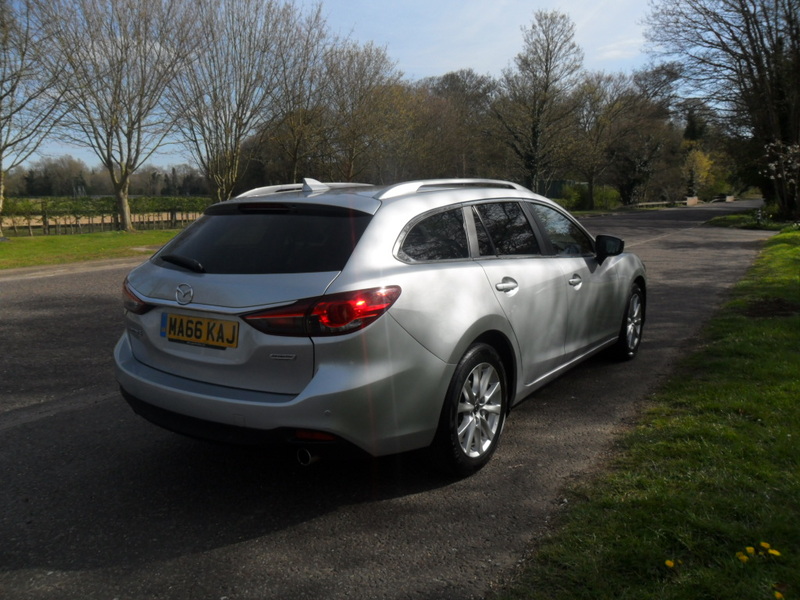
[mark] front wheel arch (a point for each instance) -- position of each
(632, 326)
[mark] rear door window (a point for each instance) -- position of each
(440, 236)
(504, 230)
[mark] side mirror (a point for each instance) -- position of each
(607, 245)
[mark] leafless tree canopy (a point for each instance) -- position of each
(536, 106)
(29, 105)
(231, 89)
(260, 92)
(362, 81)
(119, 58)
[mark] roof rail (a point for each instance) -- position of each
(308, 185)
(411, 187)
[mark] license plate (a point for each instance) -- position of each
(199, 331)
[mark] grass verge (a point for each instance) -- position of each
(59, 249)
(755, 219)
(703, 499)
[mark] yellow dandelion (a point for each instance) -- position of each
(670, 563)
(742, 557)
(778, 596)
(765, 545)
(750, 550)
(773, 552)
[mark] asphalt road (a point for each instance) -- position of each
(97, 503)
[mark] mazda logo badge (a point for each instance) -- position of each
(184, 294)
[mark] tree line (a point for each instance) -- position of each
(67, 176)
(261, 92)
(66, 215)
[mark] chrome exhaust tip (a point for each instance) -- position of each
(306, 458)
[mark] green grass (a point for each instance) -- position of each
(754, 219)
(712, 469)
(60, 249)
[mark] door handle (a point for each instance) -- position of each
(575, 280)
(506, 285)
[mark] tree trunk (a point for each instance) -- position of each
(2, 196)
(123, 208)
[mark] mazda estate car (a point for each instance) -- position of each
(385, 319)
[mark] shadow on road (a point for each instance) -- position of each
(109, 500)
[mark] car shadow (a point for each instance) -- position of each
(130, 493)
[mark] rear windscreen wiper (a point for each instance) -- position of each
(184, 261)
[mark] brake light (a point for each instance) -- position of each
(131, 302)
(335, 314)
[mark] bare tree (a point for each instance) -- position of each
(462, 101)
(604, 103)
(29, 103)
(534, 106)
(742, 56)
(644, 143)
(231, 89)
(120, 55)
(616, 122)
(300, 132)
(362, 86)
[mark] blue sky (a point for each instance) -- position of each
(433, 37)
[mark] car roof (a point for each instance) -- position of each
(368, 198)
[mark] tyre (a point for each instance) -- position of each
(474, 412)
(630, 333)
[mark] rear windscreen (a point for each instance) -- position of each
(276, 240)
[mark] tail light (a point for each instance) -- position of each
(335, 314)
(131, 302)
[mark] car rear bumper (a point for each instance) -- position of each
(291, 441)
(381, 411)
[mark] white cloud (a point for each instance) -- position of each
(622, 49)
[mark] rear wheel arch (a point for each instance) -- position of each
(502, 346)
(474, 411)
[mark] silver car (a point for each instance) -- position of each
(382, 318)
